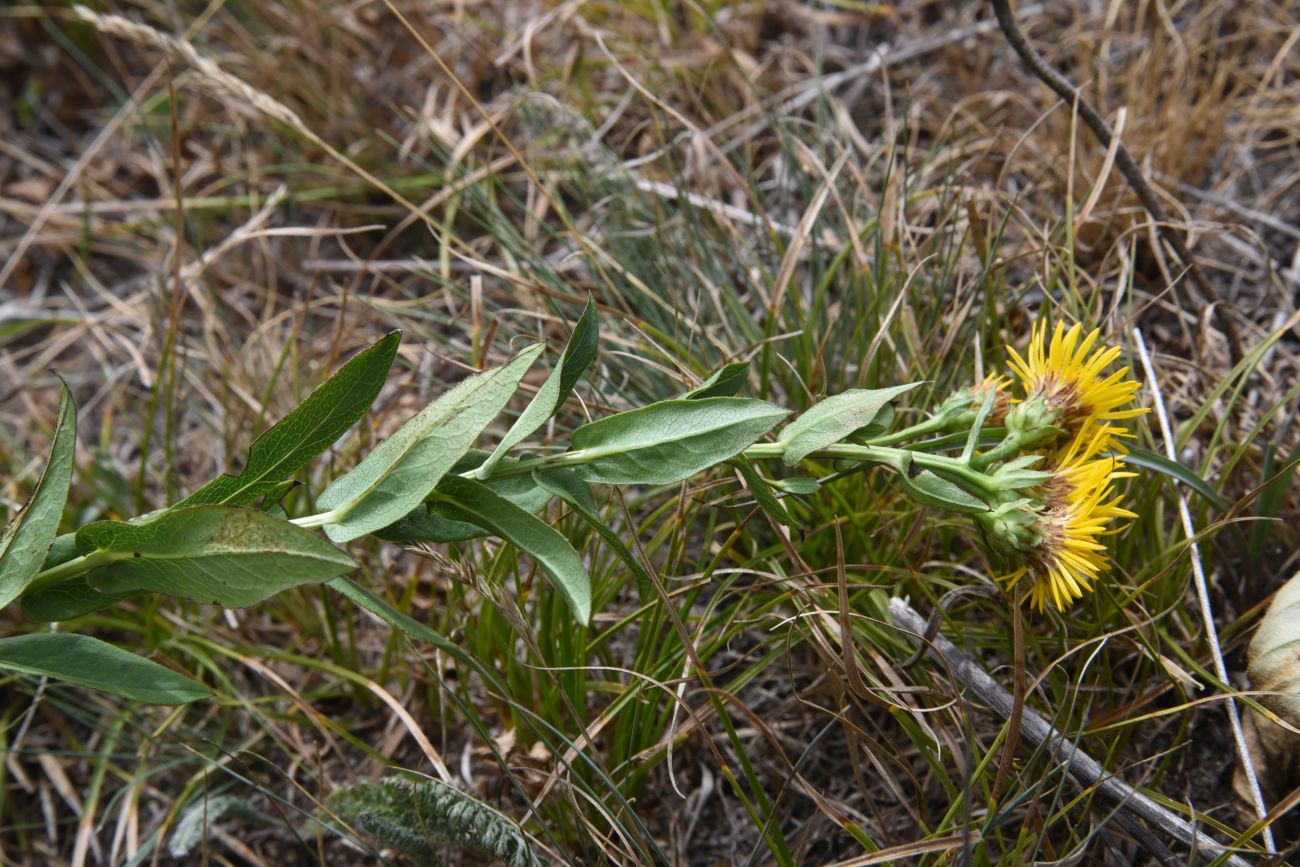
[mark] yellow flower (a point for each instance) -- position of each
(1068, 376)
(1076, 508)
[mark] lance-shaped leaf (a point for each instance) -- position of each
(429, 522)
(27, 539)
(315, 425)
(86, 661)
(225, 555)
(475, 502)
(763, 495)
(668, 441)
(578, 495)
(402, 470)
(724, 382)
(577, 356)
(67, 599)
(834, 418)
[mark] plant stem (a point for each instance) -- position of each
(901, 460)
(71, 569)
(934, 424)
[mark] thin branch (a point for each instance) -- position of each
(1084, 769)
(1067, 91)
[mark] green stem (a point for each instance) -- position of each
(955, 469)
(934, 424)
(71, 569)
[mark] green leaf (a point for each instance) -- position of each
(86, 661)
(353, 591)
(315, 425)
(67, 599)
(835, 418)
(666, 442)
(27, 540)
(1152, 461)
(801, 485)
(575, 359)
(429, 522)
(932, 490)
(577, 494)
(1277, 484)
(767, 501)
(553, 553)
(1274, 656)
(724, 382)
(225, 555)
(402, 470)
(879, 426)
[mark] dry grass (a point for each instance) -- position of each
(203, 208)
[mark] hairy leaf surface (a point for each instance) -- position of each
(402, 470)
(671, 440)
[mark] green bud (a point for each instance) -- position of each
(1013, 527)
(1033, 422)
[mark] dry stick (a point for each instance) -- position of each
(1203, 594)
(1127, 167)
(1083, 768)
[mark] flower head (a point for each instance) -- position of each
(1067, 376)
(1061, 552)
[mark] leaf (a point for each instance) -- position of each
(27, 540)
(668, 441)
(578, 495)
(68, 599)
(429, 522)
(1152, 461)
(422, 818)
(86, 661)
(725, 382)
(932, 490)
(835, 418)
(402, 470)
(577, 356)
(1274, 656)
(1273, 491)
(225, 555)
(801, 485)
(879, 426)
(353, 591)
(530, 534)
(315, 425)
(767, 500)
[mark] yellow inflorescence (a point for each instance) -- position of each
(1077, 505)
(1069, 376)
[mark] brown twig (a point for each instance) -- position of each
(1067, 91)
(1082, 768)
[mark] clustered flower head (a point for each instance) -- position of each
(1067, 425)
